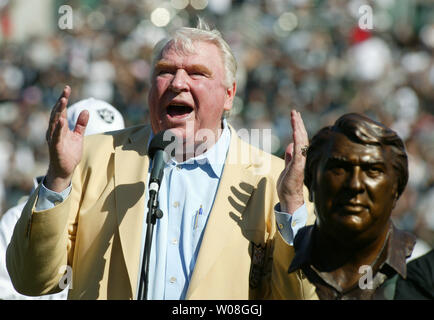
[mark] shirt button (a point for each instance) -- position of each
(176, 204)
(174, 241)
(280, 226)
(294, 223)
(172, 280)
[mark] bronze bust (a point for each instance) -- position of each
(355, 172)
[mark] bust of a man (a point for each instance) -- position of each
(355, 171)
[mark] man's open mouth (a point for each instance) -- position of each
(178, 110)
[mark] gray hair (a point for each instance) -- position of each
(182, 41)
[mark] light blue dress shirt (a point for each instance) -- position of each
(179, 232)
(289, 224)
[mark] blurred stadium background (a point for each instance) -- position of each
(305, 54)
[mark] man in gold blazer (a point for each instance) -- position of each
(92, 231)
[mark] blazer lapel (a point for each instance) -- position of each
(131, 170)
(223, 224)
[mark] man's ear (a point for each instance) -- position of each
(230, 94)
(395, 199)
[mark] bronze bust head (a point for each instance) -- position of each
(355, 171)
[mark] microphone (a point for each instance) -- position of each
(156, 153)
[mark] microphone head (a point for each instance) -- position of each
(159, 143)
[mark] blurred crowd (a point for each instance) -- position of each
(319, 57)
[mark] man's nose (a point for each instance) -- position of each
(179, 81)
(355, 179)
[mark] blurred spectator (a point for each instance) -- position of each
(103, 117)
(304, 54)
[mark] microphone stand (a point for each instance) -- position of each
(154, 213)
(156, 153)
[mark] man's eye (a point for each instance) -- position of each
(197, 74)
(374, 171)
(336, 167)
(163, 72)
(337, 170)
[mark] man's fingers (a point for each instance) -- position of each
(64, 95)
(60, 113)
(300, 136)
(59, 110)
(57, 131)
(83, 119)
(289, 152)
(290, 183)
(299, 129)
(302, 130)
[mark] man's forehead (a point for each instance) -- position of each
(168, 64)
(341, 148)
(356, 158)
(205, 58)
(195, 47)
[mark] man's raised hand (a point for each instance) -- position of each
(65, 146)
(290, 182)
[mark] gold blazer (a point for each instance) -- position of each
(97, 229)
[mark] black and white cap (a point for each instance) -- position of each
(103, 116)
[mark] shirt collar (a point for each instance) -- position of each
(215, 157)
(36, 181)
(400, 246)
